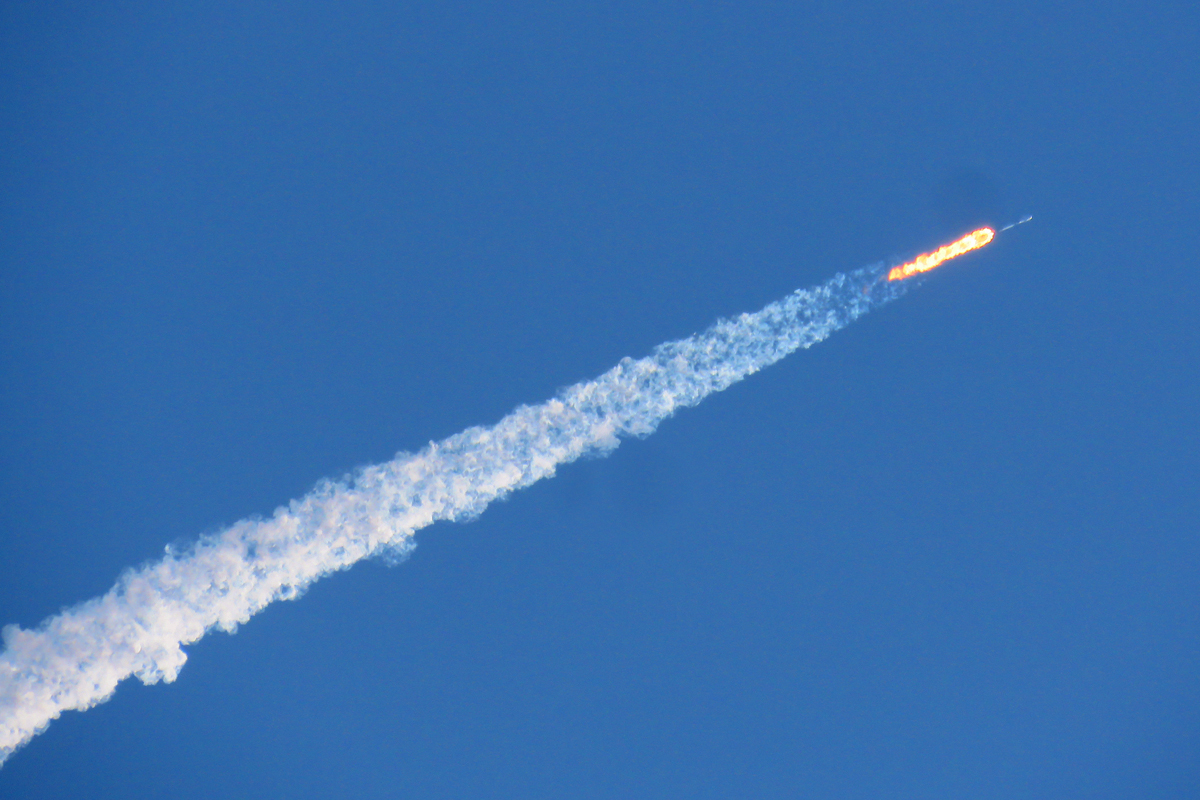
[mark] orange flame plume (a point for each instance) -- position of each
(926, 262)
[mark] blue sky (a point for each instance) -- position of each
(949, 552)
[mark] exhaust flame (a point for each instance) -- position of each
(926, 262)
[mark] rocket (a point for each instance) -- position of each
(1025, 218)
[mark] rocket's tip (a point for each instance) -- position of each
(1023, 219)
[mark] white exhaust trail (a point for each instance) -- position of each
(76, 659)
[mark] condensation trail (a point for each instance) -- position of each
(76, 659)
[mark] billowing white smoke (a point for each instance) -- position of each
(76, 659)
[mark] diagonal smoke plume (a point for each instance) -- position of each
(76, 659)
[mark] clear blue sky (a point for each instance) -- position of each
(950, 552)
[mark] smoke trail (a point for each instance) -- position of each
(76, 659)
